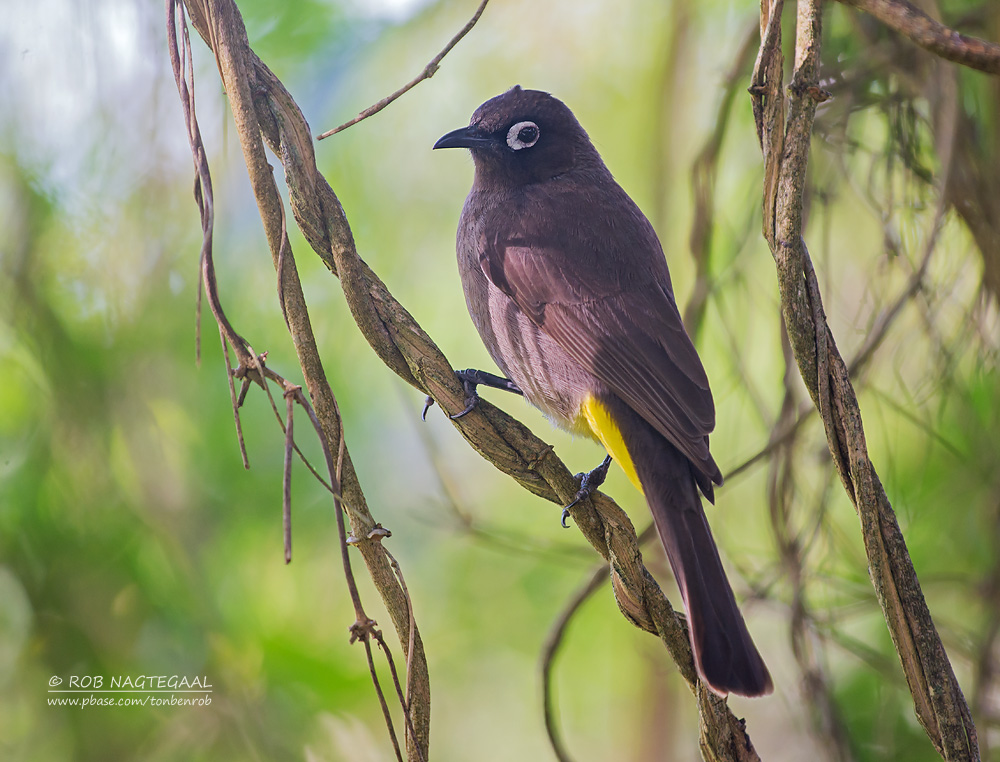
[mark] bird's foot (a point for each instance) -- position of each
(588, 485)
(472, 378)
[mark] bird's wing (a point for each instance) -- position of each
(613, 312)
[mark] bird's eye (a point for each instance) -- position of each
(522, 135)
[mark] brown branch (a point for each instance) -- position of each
(381, 696)
(232, 392)
(428, 71)
(407, 716)
(220, 24)
(931, 35)
(938, 699)
(827, 725)
(403, 697)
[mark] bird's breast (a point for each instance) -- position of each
(550, 379)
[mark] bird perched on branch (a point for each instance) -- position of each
(567, 284)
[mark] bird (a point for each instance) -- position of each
(568, 286)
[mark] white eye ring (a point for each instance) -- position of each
(514, 135)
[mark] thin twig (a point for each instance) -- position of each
(428, 72)
(399, 690)
(598, 577)
(203, 193)
(381, 696)
(792, 551)
(918, 27)
(554, 641)
(703, 175)
(286, 492)
(404, 700)
(261, 370)
(236, 403)
(364, 627)
(282, 249)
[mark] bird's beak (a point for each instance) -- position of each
(465, 137)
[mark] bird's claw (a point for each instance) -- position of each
(565, 515)
(472, 378)
(471, 398)
(589, 483)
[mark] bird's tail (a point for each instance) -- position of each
(724, 652)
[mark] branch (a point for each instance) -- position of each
(429, 71)
(940, 705)
(219, 23)
(931, 35)
(703, 174)
(551, 648)
(827, 724)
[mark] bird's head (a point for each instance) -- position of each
(523, 136)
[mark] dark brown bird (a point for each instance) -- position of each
(567, 284)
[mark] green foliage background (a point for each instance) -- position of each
(132, 542)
